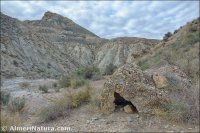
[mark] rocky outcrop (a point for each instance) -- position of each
(143, 91)
(134, 85)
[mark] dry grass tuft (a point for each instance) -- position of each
(10, 119)
(24, 85)
(62, 106)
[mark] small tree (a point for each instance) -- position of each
(167, 36)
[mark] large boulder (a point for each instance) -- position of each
(132, 86)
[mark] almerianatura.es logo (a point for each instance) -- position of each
(34, 129)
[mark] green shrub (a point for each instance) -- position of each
(5, 98)
(43, 88)
(87, 72)
(80, 76)
(17, 104)
(76, 81)
(143, 65)
(109, 70)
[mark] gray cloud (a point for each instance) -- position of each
(110, 19)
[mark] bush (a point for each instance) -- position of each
(5, 98)
(91, 72)
(175, 31)
(24, 85)
(87, 72)
(167, 36)
(77, 81)
(193, 28)
(80, 77)
(63, 106)
(43, 88)
(109, 70)
(59, 108)
(80, 97)
(17, 104)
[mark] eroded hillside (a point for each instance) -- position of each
(56, 45)
(180, 49)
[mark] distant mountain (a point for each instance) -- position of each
(55, 45)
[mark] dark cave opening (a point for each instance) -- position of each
(120, 102)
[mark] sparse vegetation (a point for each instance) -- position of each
(80, 97)
(17, 104)
(181, 112)
(95, 101)
(24, 85)
(10, 119)
(88, 72)
(109, 70)
(193, 27)
(143, 65)
(62, 106)
(184, 107)
(43, 88)
(77, 81)
(80, 77)
(184, 53)
(5, 98)
(64, 81)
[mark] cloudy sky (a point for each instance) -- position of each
(111, 19)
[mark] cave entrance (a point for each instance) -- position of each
(120, 102)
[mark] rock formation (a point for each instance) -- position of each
(135, 86)
(129, 85)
